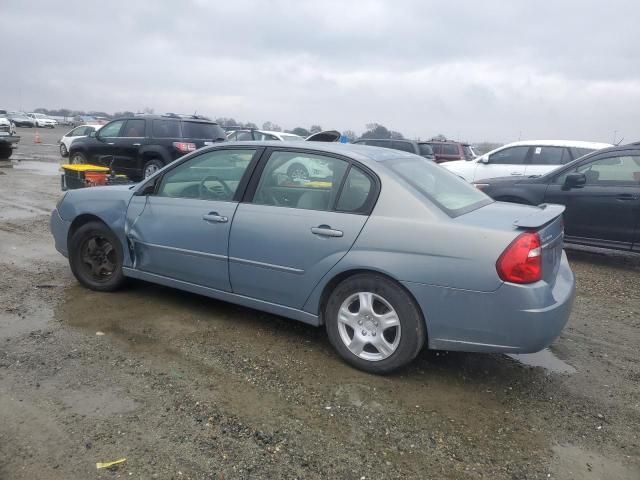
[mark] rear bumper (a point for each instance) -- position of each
(59, 230)
(513, 319)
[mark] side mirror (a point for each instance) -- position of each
(484, 160)
(575, 180)
(148, 189)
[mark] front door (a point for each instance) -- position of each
(103, 150)
(296, 228)
(183, 229)
(503, 163)
(132, 138)
(605, 211)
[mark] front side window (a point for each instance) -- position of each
(112, 129)
(510, 156)
(77, 132)
(550, 156)
(446, 190)
(300, 180)
(622, 170)
(134, 128)
(214, 175)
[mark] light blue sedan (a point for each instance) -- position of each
(388, 252)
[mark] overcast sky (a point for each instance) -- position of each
(478, 70)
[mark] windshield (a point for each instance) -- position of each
(201, 130)
(448, 191)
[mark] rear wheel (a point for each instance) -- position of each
(374, 324)
(95, 257)
(151, 167)
(298, 171)
(78, 158)
(63, 150)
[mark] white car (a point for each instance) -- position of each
(41, 120)
(524, 158)
(78, 132)
(261, 135)
(306, 168)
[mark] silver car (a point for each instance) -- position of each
(389, 252)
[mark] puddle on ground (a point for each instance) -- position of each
(572, 462)
(545, 359)
(40, 168)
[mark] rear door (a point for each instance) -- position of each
(545, 158)
(291, 231)
(510, 161)
(604, 212)
(182, 230)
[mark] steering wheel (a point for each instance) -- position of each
(206, 192)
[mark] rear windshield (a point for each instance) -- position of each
(204, 131)
(448, 191)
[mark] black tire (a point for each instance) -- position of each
(99, 274)
(77, 158)
(63, 151)
(412, 325)
(151, 167)
(298, 170)
(5, 152)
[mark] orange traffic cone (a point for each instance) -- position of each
(37, 139)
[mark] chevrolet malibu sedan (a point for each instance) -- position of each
(388, 253)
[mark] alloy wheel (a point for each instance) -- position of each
(369, 326)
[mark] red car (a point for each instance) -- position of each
(448, 150)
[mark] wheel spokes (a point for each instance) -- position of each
(366, 303)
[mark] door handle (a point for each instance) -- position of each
(135, 144)
(326, 231)
(110, 143)
(516, 173)
(627, 196)
(213, 217)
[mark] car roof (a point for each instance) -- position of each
(559, 143)
(365, 154)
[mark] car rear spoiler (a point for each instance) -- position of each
(544, 214)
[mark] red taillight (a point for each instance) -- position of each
(184, 147)
(521, 262)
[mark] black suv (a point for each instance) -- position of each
(141, 145)
(419, 148)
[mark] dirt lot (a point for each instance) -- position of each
(187, 387)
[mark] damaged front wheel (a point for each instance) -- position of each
(95, 257)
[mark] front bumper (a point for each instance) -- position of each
(60, 231)
(513, 319)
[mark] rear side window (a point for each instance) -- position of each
(203, 131)
(134, 128)
(510, 156)
(550, 156)
(446, 190)
(166, 129)
(404, 146)
(355, 192)
(437, 148)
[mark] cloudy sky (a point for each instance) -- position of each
(478, 70)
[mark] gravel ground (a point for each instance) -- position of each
(186, 387)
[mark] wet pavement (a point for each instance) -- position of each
(188, 387)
